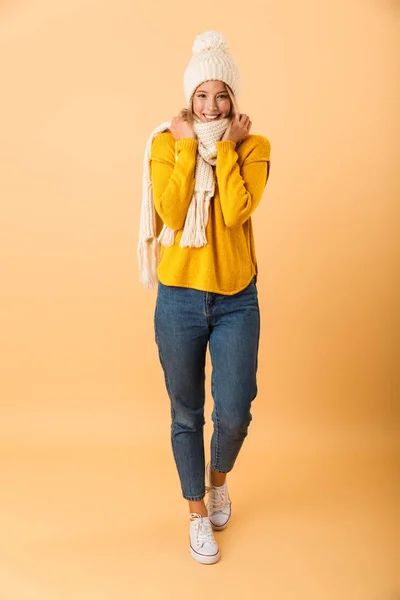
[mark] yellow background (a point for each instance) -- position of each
(90, 502)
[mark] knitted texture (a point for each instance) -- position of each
(148, 251)
(227, 262)
(210, 60)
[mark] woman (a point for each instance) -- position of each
(204, 175)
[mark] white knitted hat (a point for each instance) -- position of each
(210, 60)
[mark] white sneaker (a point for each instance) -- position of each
(219, 503)
(203, 546)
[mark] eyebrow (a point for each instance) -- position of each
(205, 92)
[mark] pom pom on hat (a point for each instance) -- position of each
(210, 60)
(210, 40)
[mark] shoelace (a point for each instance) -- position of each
(218, 499)
(204, 531)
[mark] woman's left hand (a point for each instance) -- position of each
(238, 128)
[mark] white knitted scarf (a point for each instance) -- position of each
(193, 235)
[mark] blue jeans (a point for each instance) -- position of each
(185, 321)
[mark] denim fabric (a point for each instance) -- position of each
(185, 321)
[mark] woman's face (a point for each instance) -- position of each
(211, 99)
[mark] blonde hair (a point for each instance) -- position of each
(188, 113)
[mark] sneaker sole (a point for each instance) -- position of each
(219, 527)
(203, 558)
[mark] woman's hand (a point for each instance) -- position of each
(181, 128)
(238, 128)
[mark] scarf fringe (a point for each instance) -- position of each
(167, 236)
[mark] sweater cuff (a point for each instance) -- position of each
(225, 146)
(186, 144)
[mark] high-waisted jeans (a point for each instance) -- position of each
(185, 321)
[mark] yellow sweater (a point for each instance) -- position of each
(227, 263)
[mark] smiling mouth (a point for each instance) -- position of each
(211, 117)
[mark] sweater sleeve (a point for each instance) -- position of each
(172, 165)
(241, 188)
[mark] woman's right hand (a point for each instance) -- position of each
(181, 128)
(238, 129)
